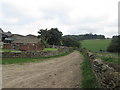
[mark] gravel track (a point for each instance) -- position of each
(61, 72)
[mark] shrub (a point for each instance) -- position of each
(115, 44)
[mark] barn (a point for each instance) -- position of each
(20, 42)
(24, 43)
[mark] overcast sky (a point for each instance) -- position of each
(69, 16)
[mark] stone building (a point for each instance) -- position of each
(5, 37)
(20, 42)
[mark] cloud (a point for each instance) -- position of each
(69, 16)
(12, 16)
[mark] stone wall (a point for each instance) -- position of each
(35, 54)
(23, 46)
(106, 75)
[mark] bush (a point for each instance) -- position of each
(115, 44)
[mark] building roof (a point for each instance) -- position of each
(30, 35)
(16, 38)
(9, 34)
(1, 31)
(25, 39)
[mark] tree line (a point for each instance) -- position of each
(86, 36)
(55, 37)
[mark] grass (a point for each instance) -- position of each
(45, 49)
(50, 49)
(7, 50)
(25, 60)
(109, 57)
(89, 80)
(96, 44)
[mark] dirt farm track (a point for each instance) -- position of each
(62, 72)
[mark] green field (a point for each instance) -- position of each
(96, 44)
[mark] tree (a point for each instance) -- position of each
(86, 36)
(55, 36)
(44, 36)
(70, 42)
(115, 44)
(51, 37)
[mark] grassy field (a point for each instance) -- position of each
(50, 49)
(96, 45)
(25, 60)
(109, 57)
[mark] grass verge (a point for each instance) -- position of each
(89, 80)
(50, 49)
(109, 57)
(8, 50)
(25, 60)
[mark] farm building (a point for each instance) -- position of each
(5, 37)
(20, 42)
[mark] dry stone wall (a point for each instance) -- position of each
(107, 76)
(35, 54)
